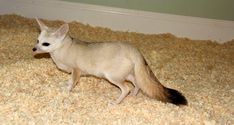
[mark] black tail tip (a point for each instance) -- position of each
(175, 97)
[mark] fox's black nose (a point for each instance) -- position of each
(34, 49)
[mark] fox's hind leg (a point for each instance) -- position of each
(74, 80)
(117, 75)
(124, 90)
(136, 89)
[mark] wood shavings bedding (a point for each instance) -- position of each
(32, 89)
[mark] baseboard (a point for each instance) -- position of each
(122, 19)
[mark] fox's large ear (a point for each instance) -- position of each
(62, 31)
(41, 24)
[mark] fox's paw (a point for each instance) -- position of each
(134, 92)
(66, 86)
(69, 85)
(111, 104)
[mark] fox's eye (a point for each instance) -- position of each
(45, 44)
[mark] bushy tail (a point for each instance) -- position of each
(150, 85)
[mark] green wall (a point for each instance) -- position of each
(214, 9)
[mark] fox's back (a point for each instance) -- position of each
(105, 50)
(100, 57)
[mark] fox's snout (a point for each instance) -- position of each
(34, 49)
(37, 50)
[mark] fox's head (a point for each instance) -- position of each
(50, 39)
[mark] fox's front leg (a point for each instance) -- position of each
(74, 80)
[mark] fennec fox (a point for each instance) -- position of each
(114, 61)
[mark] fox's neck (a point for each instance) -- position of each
(67, 41)
(62, 56)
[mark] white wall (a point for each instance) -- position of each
(122, 19)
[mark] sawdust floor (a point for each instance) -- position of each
(32, 90)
